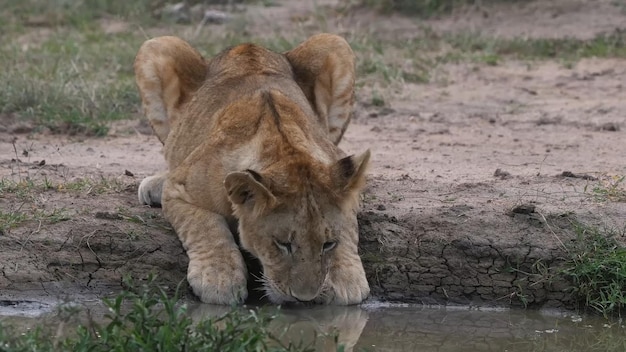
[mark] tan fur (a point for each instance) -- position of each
(251, 136)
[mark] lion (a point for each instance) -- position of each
(250, 138)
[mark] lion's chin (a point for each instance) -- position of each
(278, 297)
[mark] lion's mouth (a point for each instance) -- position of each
(275, 294)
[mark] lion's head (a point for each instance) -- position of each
(298, 219)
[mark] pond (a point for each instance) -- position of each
(389, 327)
(399, 327)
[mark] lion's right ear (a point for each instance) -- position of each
(168, 71)
(245, 191)
(323, 67)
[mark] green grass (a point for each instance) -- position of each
(23, 204)
(458, 47)
(387, 62)
(26, 188)
(603, 45)
(15, 217)
(73, 13)
(608, 189)
(97, 185)
(72, 82)
(68, 74)
(147, 319)
(11, 219)
(597, 268)
(422, 8)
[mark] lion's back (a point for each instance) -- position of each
(226, 110)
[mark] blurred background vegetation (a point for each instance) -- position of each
(68, 63)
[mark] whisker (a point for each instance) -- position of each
(271, 289)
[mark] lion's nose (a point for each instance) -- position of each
(302, 296)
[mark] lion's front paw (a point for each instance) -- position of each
(219, 280)
(346, 285)
(151, 189)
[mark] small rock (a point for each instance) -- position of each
(177, 13)
(215, 17)
(21, 128)
(501, 174)
(128, 173)
(197, 12)
(386, 111)
(573, 175)
(107, 215)
(609, 126)
(524, 209)
(381, 207)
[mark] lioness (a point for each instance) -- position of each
(251, 136)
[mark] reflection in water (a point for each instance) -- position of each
(325, 327)
(325, 322)
(415, 328)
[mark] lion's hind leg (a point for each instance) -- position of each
(168, 71)
(324, 69)
(150, 190)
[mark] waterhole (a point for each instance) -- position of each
(388, 327)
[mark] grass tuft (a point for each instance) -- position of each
(612, 188)
(603, 45)
(422, 8)
(74, 82)
(597, 268)
(78, 13)
(24, 204)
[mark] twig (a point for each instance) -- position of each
(552, 231)
(23, 244)
(17, 161)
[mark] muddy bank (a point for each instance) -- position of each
(477, 178)
(463, 254)
(433, 251)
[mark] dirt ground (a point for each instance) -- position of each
(467, 202)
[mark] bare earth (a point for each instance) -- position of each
(437, 224)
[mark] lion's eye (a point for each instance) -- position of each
(283, 246)
(328, 246)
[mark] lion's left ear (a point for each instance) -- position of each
(245, 190)
(349, 173)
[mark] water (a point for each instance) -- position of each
(381, 327)
(377, 327)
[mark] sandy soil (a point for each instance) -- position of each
(453, 161)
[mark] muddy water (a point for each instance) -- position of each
(376, 327)
(380, 327)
